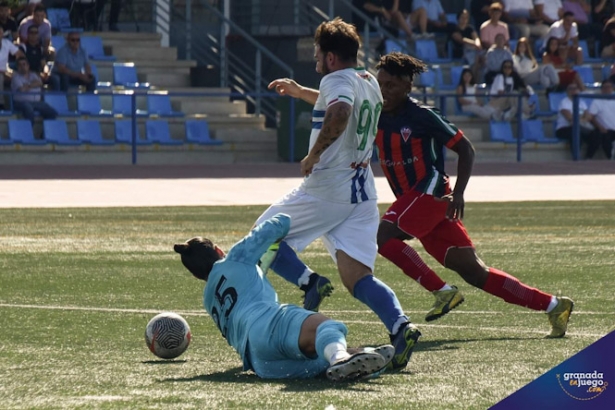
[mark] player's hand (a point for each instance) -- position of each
(456, 205)
(285, 86)
(307, 164)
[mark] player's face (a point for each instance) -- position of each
(321, 61)
(394, 91)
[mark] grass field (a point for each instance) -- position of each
(77, 287)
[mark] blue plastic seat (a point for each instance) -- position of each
(59, 18)
(390, 46)
(20, 132)
(99, 84)
(160, 105)
(533, 130)
(89, 104)
(88, 131)
(93, 47)
(606, 72)
(58, 42)
(501, 131)
(586, 73)
(157, 132)
(56, 132)
(512, 45)
(123, 133)
(586, 58)
(125, 74)
(197, 131)
(427, 51)
(122, 105)
(60, 103)
(554, 100)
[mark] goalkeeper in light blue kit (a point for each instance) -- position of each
(274, 340)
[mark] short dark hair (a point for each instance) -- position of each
(568, 13)
(20, 59)
(338, 37)
(198, 256)
(40, 7)
(4, 4)
(401, 65)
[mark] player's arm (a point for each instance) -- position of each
(334, 124)
(253, 246)
(286, 86)
(465, 151)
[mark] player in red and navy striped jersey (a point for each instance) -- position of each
(410, 139)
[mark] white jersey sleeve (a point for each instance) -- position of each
(344, 174)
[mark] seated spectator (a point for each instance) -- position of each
(556, 55)
(580, 10)
(603, 118)
(522, 19)
(466, 91)
(509, 82)
(496, 55)
(492, 27)
(388, 13)
(8, 23)
(6, 48)
(563, 125)
(530, 71)
(549, 11)
(27, 88)
(464, 40)
(37, 19)
(602, 10)
(608, 39)
(72, 66)
(431, 17)
(567, 33)
(37, 59)
(479, 9)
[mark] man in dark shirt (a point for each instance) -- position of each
(410, 141)
(8, 23)
(37, 58)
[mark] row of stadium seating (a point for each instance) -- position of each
(89, 132)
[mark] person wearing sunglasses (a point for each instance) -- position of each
(72, 66)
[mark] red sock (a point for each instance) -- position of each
(411, 263)
(509, 288)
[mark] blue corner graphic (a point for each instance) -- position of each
(586, 381)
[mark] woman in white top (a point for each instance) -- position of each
(466, 97)
(505, 85)
(530, 71)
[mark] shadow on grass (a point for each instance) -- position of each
(449, 344)
(164, 362)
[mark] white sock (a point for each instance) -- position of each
(335, 351)
(552, 304)
(304, 279)
(397, 324)
(445, 287)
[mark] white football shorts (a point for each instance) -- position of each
(351, 228)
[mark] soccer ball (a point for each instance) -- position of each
(167, 335)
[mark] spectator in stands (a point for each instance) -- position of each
(466, 97)
(24, 9)
(563, 126)
(608, 39)
(435, 21)
(480, 11)
(602, 116)
(602, 10)
(580, 10)
(37, 19)
(114, 12)
(495, 57)
(509, 82)
(388, 13)
(6, 48)
(522, 19)
(492, 27)
(554, 54)
(8, 23)
(27, 88)
(612, 74)
(37, 59)
(567, 33)
(72, 65)
(549, 11)
(530, 70)
(464, 40)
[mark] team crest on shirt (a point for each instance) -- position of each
(405, 133)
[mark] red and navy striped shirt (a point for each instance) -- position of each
(410, 149)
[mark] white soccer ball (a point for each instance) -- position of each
(167, 335)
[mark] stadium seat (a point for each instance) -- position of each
(122, 105)
(554, 100)
(60, 103)
(606, 72)
(89, 104)
(197, 131)
(58, 42)
(56, 132)
(533, 130)
(157, 132)
(427, 51)
(99, 84)
(390, 46)
(93, 47)
(88, 131)
(428, 79)
(586, 58)
(20, 132)
(451, 18)
(160, 104)
(123, 133)
(512, 45)
(59, 18)
(125, 74)
(501, 131)
(586, 72)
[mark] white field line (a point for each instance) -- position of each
(370, 322)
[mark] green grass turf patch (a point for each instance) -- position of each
(78, 286)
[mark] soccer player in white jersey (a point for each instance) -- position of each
(274, 340)
(337, 200)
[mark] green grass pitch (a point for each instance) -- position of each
(78, 286)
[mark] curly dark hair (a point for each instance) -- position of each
(338, 37)
(198, 256)
(401, 65)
